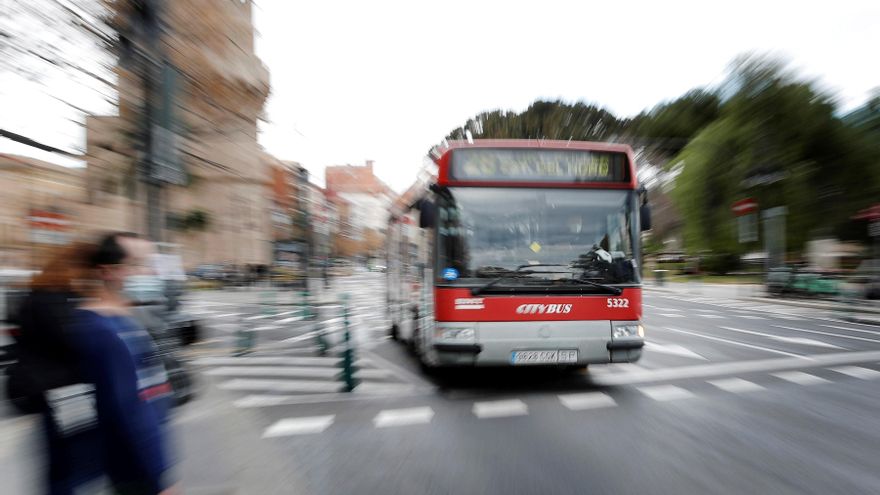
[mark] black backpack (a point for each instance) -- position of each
(46, 360)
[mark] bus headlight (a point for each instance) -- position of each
(459, 334)
(628, 330)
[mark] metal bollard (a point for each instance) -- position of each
(245, 341)
(348, 369)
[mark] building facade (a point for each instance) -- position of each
(221, 212)
(369, 201)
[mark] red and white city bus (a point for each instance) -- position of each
(514, 252)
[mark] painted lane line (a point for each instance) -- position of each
(587, 400)
(803, 341)
(672, 349)
(857, 372)
(671, 315)
(402, 417)
(267, 385)
(836, 335)
(299, 426)
(271, 360)
(736, 385)
(780, 338)
(800, 378)
(291, 319)
(738, 343)
(293, 371)
(258, 317)
(666, 392)
(752, 317)
(711, 316)
(869, 332)
(500, 408)
(227, 315)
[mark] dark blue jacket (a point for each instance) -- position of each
(132, 397)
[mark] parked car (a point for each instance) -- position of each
(207, 272)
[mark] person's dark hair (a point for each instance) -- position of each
(109, 251)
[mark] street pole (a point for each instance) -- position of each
(150, 17)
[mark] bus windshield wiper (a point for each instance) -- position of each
(610, 288)
(519, 272)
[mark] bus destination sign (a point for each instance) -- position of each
(538, 165)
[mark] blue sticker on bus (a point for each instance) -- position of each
(450, 273)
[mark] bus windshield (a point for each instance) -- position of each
(546, 234)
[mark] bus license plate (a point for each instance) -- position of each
(544, 357)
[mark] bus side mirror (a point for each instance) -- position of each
(645, 216)
(427, 214)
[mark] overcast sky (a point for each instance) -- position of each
(354, 80)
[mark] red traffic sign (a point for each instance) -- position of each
(744, 206)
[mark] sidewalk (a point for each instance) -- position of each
(219, 447)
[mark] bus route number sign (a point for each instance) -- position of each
(523, 165)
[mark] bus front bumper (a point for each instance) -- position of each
(497, 344)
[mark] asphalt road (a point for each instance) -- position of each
(730, 397)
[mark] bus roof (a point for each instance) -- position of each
(442, 157)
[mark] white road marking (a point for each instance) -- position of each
(711, 316)
(736, 342)
(227, 315)
(271, 360)
(752, 317)
(803, 341)
(299, 426)
(588, 400)
(401, 417)
(672, 315)
(800, 377)
(258, 317)
(736, 385)
(263, 328)
(722, 369)
(666, 392)
(837, 335)
(790, 340)
(289, 371)
(869, 332)
(672, 349)
(267, 385)
(500, 408)
(291, 319)
(858, 372)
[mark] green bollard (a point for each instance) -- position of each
(348, 369)
(245, 341)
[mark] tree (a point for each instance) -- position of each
(669, 126)
(544, 120)
(777, 139)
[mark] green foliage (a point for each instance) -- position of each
(544, 120)
(777, 139)
(670, 125)
(720, 263)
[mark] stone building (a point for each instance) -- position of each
(369, 199)
(222, 212)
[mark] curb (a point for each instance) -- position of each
(814, 305)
